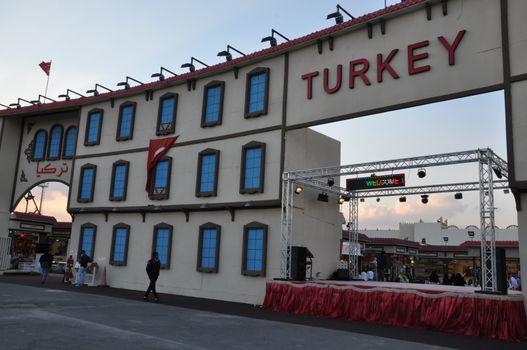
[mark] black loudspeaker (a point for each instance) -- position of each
(501, 271)
(298, 263)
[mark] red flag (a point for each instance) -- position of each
(46, 67)
(156, 150)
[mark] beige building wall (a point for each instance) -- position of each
(10, 130)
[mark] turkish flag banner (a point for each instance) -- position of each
(156, 150)
(46, 67)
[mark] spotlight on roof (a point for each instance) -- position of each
(423, 241)
(18, 105)
(126, 84)
(424, 198)
(331, 182)
(67, 94)
(191, 65)
(458, 195)
(1, 105)
(421, 173)
(160, 75)
(298, 189)
(338, 16)
(497, 171)
(323, 197)
(227, 53)
(271, 39)
(402, 199)
(95, 90)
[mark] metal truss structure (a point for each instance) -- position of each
(489, 165)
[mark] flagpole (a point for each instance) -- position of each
(47, 81)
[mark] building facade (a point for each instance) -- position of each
(242, 123)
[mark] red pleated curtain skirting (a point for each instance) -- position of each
(496, 317)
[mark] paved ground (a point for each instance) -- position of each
(57, 316)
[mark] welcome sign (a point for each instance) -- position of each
(374, 182)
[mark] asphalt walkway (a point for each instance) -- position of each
(58, 316)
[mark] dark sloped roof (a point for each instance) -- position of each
(36, 218)
(498, 243)
(258, 55)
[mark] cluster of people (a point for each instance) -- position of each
(153, 267)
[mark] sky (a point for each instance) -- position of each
(105, 41)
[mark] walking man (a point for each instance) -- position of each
(152, 269)
(83, 264)
(45, 265)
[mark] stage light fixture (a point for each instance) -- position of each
(458, 195)
(506, 191)
(402, 199)
(445, 239)
(343, 198)
(471, 234)
(331, 182)
(362, 199)
(323, 197)
(298, 189)
(423, 241)
(424, 198)
(497, 171)
(378, 199)
(421, 173)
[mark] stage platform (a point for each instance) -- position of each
(450, 309)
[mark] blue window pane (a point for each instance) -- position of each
(119, 181)
(87, 183)
(119, 247)
(167, 110)
(208, 172)
(257, 92)
(255, 249)
(87, 239)
(208, 248)
(70, 143)
(54, 142)
(162, 241)
(161, 175)
(253, 165)
(39, 145)
(93, 126)
(126, 121)
(212, 107)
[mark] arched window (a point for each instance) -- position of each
(70, 142)
(55, 141)
(39, 145)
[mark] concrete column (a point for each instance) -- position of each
(522, 238)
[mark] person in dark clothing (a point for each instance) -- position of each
(83, 262)
(152, 269)
(446, 280)
(434, 278)
(458, 280)
(45, 264)
(381, 266)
